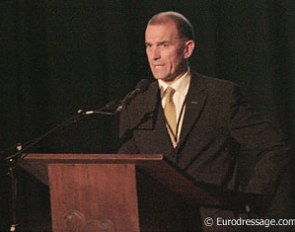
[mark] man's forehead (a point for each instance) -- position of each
(161, 31)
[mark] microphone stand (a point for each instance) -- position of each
(111, 108)
(20, 149)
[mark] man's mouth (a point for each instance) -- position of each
(158, 65)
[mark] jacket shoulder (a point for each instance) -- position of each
(212, 82)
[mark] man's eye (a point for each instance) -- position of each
(165, 45)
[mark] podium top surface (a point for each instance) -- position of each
(90, 158)
(155, 165)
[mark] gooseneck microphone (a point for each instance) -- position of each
(141, 87)
(110, 108)
(114, 107)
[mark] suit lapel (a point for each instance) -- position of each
(195, 102)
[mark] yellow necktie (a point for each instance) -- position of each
(170, 115)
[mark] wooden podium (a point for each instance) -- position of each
(104, 192)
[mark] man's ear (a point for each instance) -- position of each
(189, 49)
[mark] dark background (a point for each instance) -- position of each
(60, 56)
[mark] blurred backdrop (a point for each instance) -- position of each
(60, 56)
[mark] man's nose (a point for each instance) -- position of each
(156, 54)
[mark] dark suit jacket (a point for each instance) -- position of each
(217, 122)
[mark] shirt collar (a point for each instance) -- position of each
(180, 86)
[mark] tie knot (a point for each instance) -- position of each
(169, 92)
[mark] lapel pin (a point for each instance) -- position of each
(194, 102)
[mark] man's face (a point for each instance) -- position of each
(167, 53)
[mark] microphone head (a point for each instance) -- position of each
(143, 85)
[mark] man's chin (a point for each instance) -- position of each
(159, 77)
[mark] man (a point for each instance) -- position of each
(198, 123)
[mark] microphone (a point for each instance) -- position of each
(141, 87)
(106, 110)
(114, 107)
